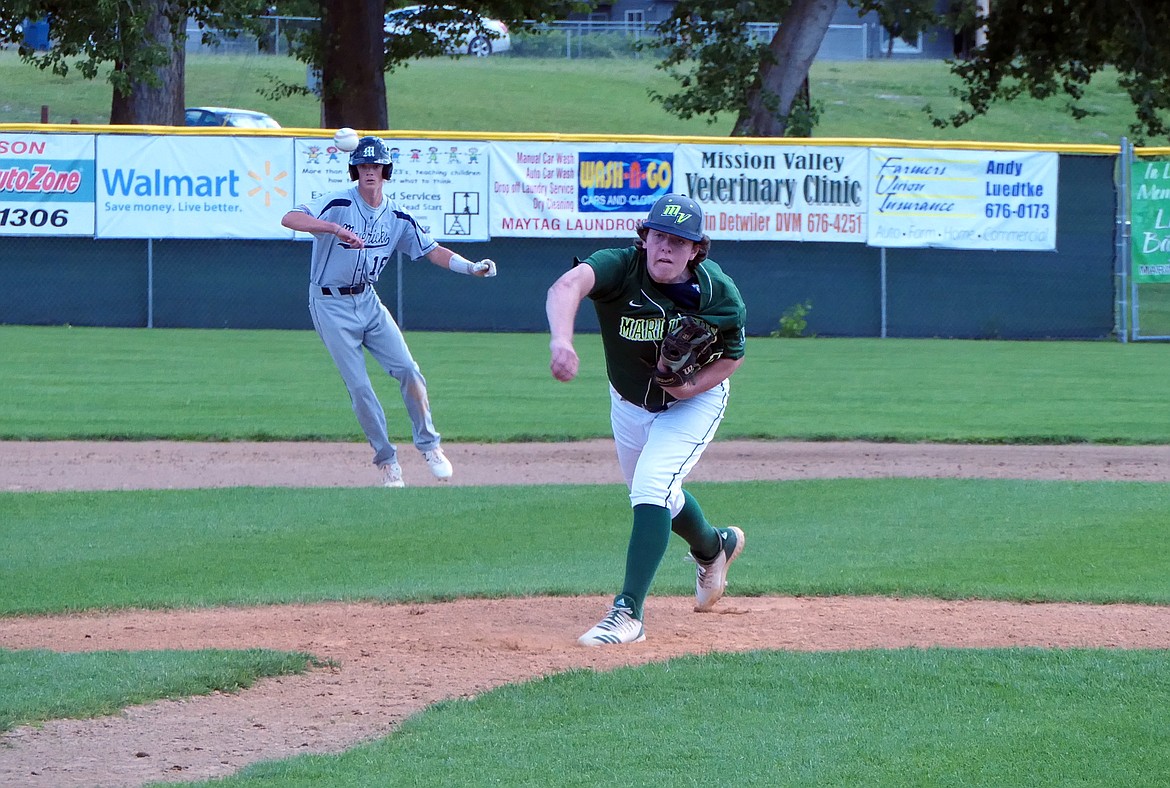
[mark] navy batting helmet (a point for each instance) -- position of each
(370, 150)
(677, 215)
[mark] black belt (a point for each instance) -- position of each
(355, 290)
(646, 406)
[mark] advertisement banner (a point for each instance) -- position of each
(578, 190)
(773, 193)
(319, 168)
(443, 184)
(956, 199)
(1149, 201)
(193, 187)
(46, 184)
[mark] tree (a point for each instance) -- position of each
(782, 79)
(1044, 49)
(1038, 49)
(713, 50)
(143, 42)
(722, 65)
(353, 54)
(353, 84)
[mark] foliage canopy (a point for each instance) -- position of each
(710, 48)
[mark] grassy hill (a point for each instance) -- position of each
(877, 98)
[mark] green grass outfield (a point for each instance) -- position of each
(137, 384)
(904, 717)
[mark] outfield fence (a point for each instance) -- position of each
(848, 289)
(142, 227)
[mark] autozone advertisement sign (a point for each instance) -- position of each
(47, 184)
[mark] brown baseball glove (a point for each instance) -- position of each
(683, 352)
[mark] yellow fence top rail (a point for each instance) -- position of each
(56, 128)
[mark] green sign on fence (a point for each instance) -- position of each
(1150, 213)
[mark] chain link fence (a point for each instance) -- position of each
(568, 39)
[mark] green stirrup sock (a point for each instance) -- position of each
(648, 541)
(693, 527)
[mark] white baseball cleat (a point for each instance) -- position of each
(618, 626)
(711, 576)
(440, 466)
(392, 475)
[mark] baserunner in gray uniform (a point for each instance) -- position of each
(355, 233)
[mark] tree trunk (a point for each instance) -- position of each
(778, 85)
(353, 84)
(162, 104)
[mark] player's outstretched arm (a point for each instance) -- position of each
(304, 223)
(564, 297)
(445, 258)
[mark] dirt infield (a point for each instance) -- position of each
(393, 660)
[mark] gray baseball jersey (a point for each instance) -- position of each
(348, 314)
(386, 229)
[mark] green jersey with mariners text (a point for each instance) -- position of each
(633, 312)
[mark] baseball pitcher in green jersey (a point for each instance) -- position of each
(659, 432)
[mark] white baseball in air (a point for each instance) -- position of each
(345, 139)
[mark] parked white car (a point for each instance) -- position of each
(230, 116)
(461, 35)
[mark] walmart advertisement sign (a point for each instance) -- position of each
(193, 187)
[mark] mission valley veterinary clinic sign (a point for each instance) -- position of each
(46, 184)
(777, 193)
(962, 199)
(193, 187)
